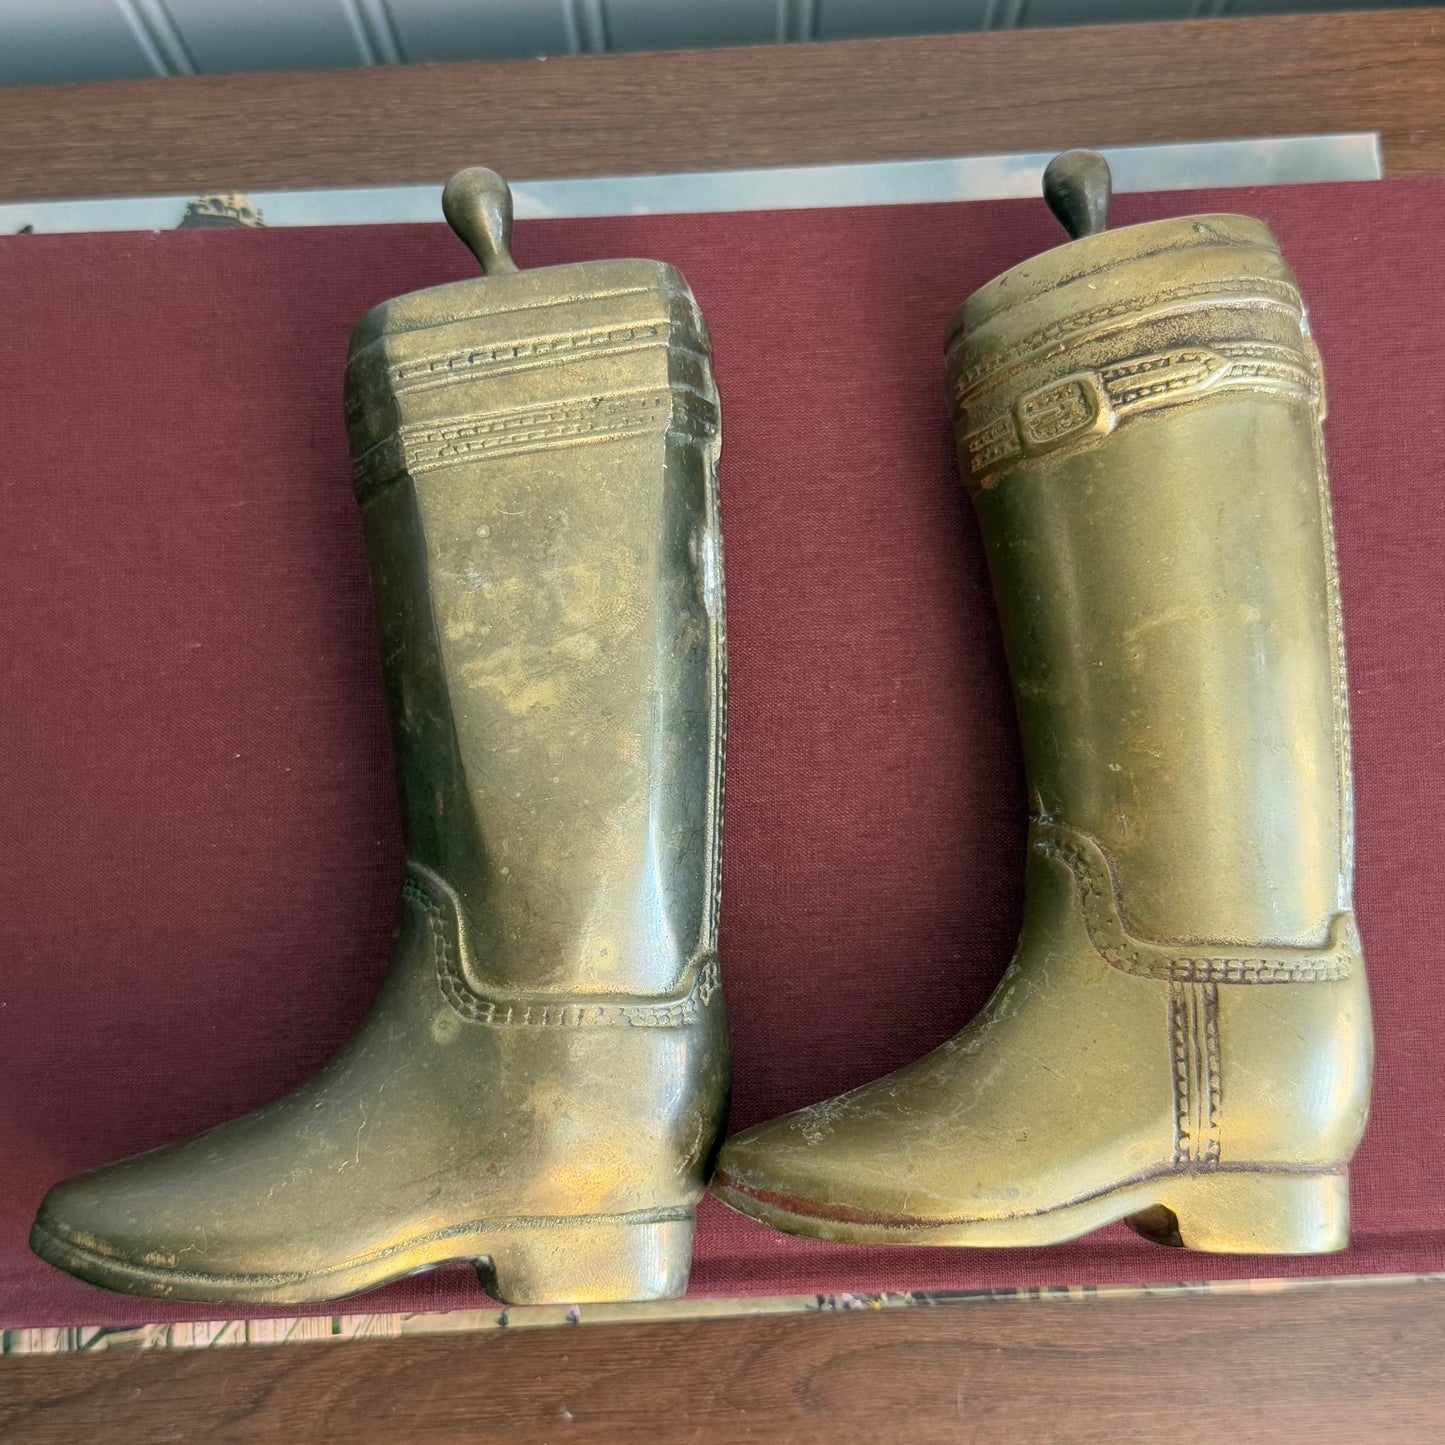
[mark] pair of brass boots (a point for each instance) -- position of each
(1182, 1039)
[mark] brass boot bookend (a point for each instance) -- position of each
(541, 1082)
(1182, 1039)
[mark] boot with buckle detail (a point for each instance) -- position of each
(1182, 1039)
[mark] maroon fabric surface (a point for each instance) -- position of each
(201, 854)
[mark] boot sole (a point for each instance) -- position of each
(593, 1259)
(1220, 1211)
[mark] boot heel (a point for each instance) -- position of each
(1247, 1213)
(588, 1261)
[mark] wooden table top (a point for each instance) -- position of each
(1338, 1364)
(1334, 1363)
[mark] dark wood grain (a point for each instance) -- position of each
(847, 101)
(1346, 1364)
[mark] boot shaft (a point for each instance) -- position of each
(1138, 416)
(535, 459)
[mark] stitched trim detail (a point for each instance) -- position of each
(524, 354)
(1088, 405)
(1194, 1039)
(1191, 963)
(419, 448)
(1071, 330)
(719, 703)
(505, 1008)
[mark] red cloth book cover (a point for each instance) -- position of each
(202, 852)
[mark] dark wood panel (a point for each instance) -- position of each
(848, 101)
(1339, 1365)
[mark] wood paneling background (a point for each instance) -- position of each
(61, 40)
(706, 110)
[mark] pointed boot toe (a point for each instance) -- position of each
(136, 1228)
(853, 1169)
(778, 1174)
(770, 1173)
(86, 1227)
(227, 1215)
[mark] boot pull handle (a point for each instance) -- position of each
(478, 206)
(1078, 186)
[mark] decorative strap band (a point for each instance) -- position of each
(421, 447)
(527, 353)
(1068, 332)
(1211, 963)
(1197, 1071)
(509, 1008)
(1088, 405)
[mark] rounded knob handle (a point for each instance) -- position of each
(478, 206)
(1078, 186)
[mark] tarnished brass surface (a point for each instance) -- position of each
(1182, 1038)
(541, 1081)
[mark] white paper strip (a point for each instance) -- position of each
(1186, 166)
